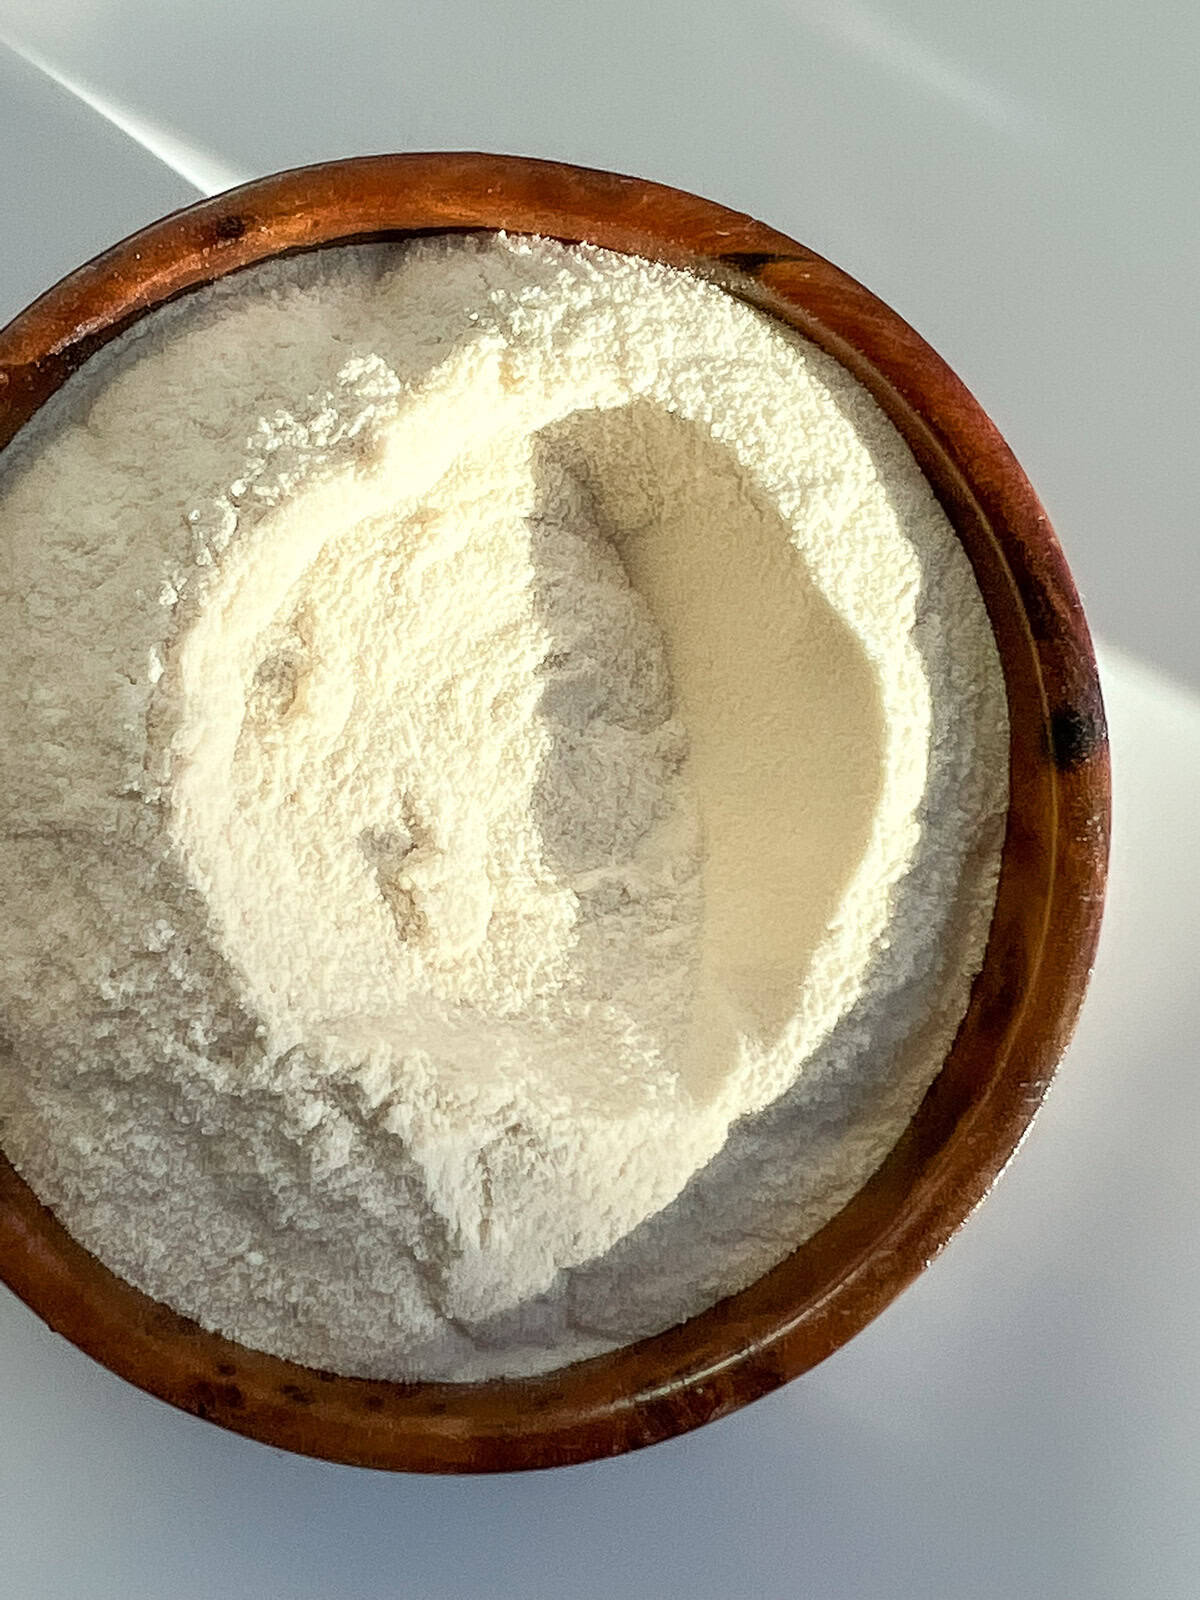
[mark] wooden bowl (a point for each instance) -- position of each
(1024, 1002)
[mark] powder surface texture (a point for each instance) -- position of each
(503, 766)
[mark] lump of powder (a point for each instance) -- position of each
(504, 768)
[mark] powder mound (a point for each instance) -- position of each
(506, 760)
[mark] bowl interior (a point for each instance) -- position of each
(1024, 1001)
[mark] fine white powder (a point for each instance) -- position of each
(503, 765)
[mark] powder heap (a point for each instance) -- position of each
(504, 765)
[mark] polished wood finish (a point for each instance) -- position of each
(1024, 1002)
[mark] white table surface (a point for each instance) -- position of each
(1020, 183)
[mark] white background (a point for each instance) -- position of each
(1020, 182)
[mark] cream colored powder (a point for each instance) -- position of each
(486, 720)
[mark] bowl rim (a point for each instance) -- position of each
(1024, 1002)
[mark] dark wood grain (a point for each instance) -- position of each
(1023, 1004)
